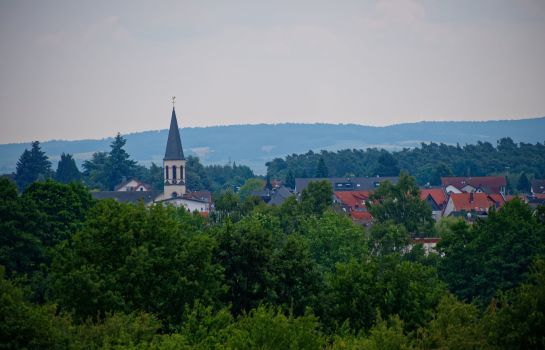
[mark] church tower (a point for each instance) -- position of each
(174, 162)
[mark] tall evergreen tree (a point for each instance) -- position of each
(33, 165)
(94, 170)
(290, 179)
(523, 184)
(321, 169)
(67, 171)
(119, 164)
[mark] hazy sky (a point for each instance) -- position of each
(88, 69)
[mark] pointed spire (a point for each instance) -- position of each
(174, 149)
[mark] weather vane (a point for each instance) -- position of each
(173, 100)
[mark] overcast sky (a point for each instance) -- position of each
(74, 69)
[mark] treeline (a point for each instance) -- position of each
(105, 170)
(80, 274)
(427, 163)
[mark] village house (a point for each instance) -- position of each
(477, 184)
(472, 205)
(436, 198)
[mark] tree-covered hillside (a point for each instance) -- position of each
(427, 163)
(254, 145)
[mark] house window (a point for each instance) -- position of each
(166, 172)
(174, 177)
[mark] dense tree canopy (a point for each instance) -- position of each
(79, 274)
(426, 163)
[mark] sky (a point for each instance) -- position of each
(89, 69)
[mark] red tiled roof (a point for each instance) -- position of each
(438, 195)
(492, 182)
(361, 215)
(540, 195)
(353, 199)
(481, 201)
(497, 198)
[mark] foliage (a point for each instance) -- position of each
(427, 163)
(128, 257)
(245, 251)
(334, 238)
(321, 169)
(493, 254)
(401, 204)
(67, 171)
(317, 197)
(33, 165)
(250, 186)
(360, 291)
(523, 184)
(267, 328)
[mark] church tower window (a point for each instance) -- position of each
(174, 177)
(166, 172)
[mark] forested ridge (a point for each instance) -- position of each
(84, 274)
(426, 163)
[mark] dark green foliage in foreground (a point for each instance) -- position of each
(131, 258)
(493, 254)
(84, 275)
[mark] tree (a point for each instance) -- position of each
(20, 251)
(129, 257)
(523, 184)
(95, 171)
(245, 251)
(494, 254)
(297, 279)
(317, 197)
(401, 204)
(361, 291)
(250, 186)
(334, 238)
(67, 171)
(195, 173)
(33, 165)
(517, 319)
(387, 165)
(119, 164)
(290, 180)
(321, 169)
(387, 238)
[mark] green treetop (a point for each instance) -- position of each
(33, 165)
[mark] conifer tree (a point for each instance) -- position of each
(33, 165)
(321, 169)
(290, 179)
(523, 184)
(119, 163)
(67, 171)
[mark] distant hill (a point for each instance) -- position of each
(254, 145)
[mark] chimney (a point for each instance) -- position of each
(471, 197)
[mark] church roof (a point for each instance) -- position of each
(174, 149)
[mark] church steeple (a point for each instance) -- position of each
(174, 161)
(174, 150)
